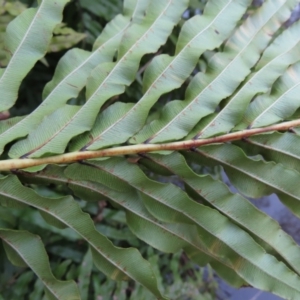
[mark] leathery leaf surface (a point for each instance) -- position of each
(222, 83)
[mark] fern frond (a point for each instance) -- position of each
(281, 148)
(169, 203)
(247, 174)
(71, 75)
(26, 41)
(115, 262)
(235, 207)
(110, 79)
(166, 73)
(111, 127)
(273, 63)
(265, 111)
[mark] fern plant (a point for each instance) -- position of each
(110, 126)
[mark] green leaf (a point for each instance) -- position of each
(234, 64)
(40, 143)
(283, 148)
(277, 57)
(206, 90)
(86, 190)
(22, 246)
(37, 292)
(23, 283)
(85, 274)
(13, 8)
(214, 236)
(235, 207)
(160, 235)
(110, 79)
(7, 124)
(116, 263)
(62, 268)
(64, 38)
(166, 73)
(247, 174)
(279, 105)
(27, 39)
(105, 121)
(70, 77)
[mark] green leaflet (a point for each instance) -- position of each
(160, 235)
(85, 274)
(105, 121)
(136, 9)
(110, 79)
(64, 38)
(274, 61)
(116, 263)
(185, 232)
(281, 148)
(27, 40)
(206, 90)
(7, 124)
(23, 249)
(217, 236)
(166, 73)
(93, 190)
(247, 174)
(71, 75)
(282, 102)
(228, 275)
(41, 142)
(236, 67)
(35, 217)
(163, 236)
(157, 237)
(235, 207)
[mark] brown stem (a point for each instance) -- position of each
(12, 164)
